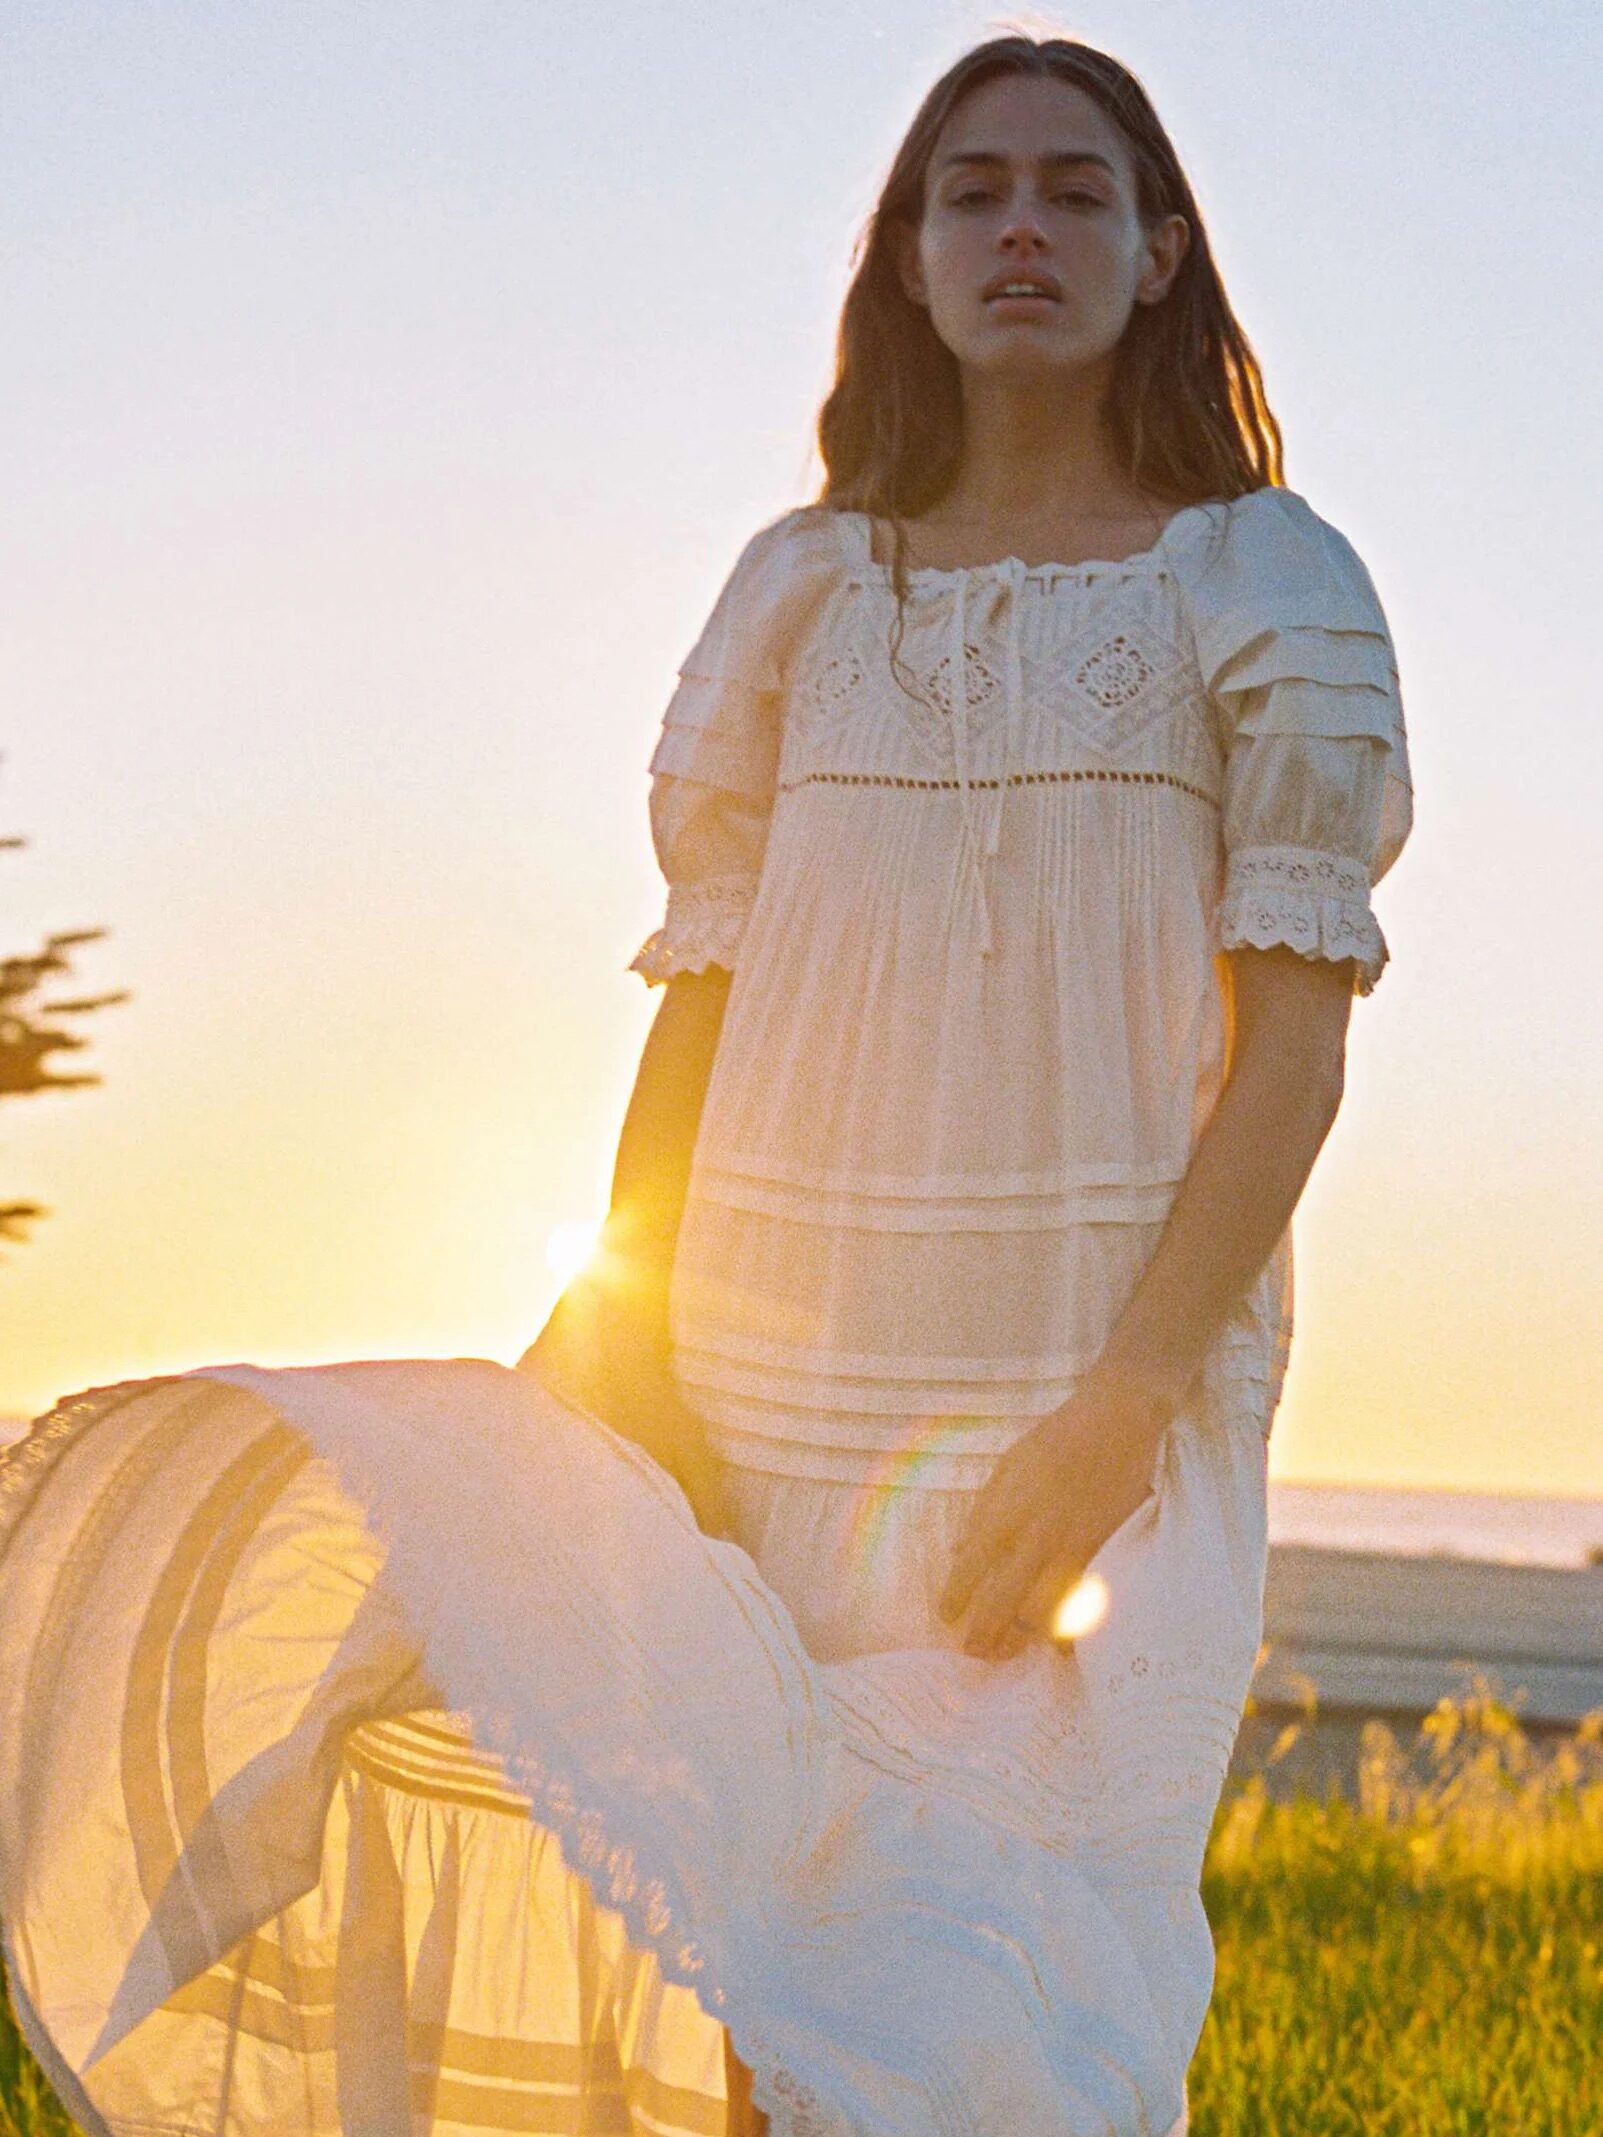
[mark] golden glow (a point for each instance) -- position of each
(571, 1247)
(1082, 1609)
(347, 1130)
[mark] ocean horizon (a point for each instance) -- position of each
(1512, 1528)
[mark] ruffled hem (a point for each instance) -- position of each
(781, 1835)
(1332, 928)
(660, 958)
(721, 730)
(703, 926)
(1314, 903)
(1339, 659)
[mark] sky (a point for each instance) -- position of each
(387, 390)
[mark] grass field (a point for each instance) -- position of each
(1426, 1961)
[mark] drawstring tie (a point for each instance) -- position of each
(974, 853)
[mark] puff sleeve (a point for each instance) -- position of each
(715, 763)
(1317, 796)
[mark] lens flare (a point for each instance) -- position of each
(926, 1438)
(571, 1247)
(1082, 1609)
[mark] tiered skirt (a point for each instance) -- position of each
(383, 1749)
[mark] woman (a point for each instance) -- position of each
(1020, 805)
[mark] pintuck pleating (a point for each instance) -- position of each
(980, 1004)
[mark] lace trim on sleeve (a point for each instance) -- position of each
(703, 926)
(1317, 903)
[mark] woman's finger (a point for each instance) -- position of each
(1035, 1611)
(1000, 1509)
(999, 1595)
(987, 1536)
(1045, 1595)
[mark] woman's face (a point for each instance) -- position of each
(1029, 181)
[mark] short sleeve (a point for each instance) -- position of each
(1317, 799)
(714, 767)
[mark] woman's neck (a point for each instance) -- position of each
(1038, 478)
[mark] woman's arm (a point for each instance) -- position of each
(652, 1170)
(1247, 1173)
(1057, 1495)
(606, 1343)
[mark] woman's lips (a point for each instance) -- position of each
(1040, 285)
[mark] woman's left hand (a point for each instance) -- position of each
(1052, 1501)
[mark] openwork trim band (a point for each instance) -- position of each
(1013, 779)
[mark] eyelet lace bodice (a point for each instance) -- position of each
(975, 868)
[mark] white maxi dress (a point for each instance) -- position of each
(384, 1749)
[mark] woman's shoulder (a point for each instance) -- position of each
(778, 578)
(792, 548)
(1267, 529)
(1269, 556)
(803, 538)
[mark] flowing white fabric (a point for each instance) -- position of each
(924, 1892)
(382, 1747)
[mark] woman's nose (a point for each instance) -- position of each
(1023, 234)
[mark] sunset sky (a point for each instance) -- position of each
(388, 387)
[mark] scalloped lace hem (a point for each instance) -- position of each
(702, 926)
(1314, 903)
(1314, 927)
(655, 1917)
(660, 957)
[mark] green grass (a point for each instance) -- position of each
(28, 2108)
(1424, 1962)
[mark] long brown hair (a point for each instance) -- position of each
(1186, 409)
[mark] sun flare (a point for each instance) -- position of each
(571, 1247)
(1082, 1609)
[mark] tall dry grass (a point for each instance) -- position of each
(1423, 1961)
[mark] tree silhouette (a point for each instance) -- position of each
(35, 1031)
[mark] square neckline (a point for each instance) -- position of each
(858, 529)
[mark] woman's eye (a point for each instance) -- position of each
(978, 196)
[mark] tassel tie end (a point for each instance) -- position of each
(976, 853)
